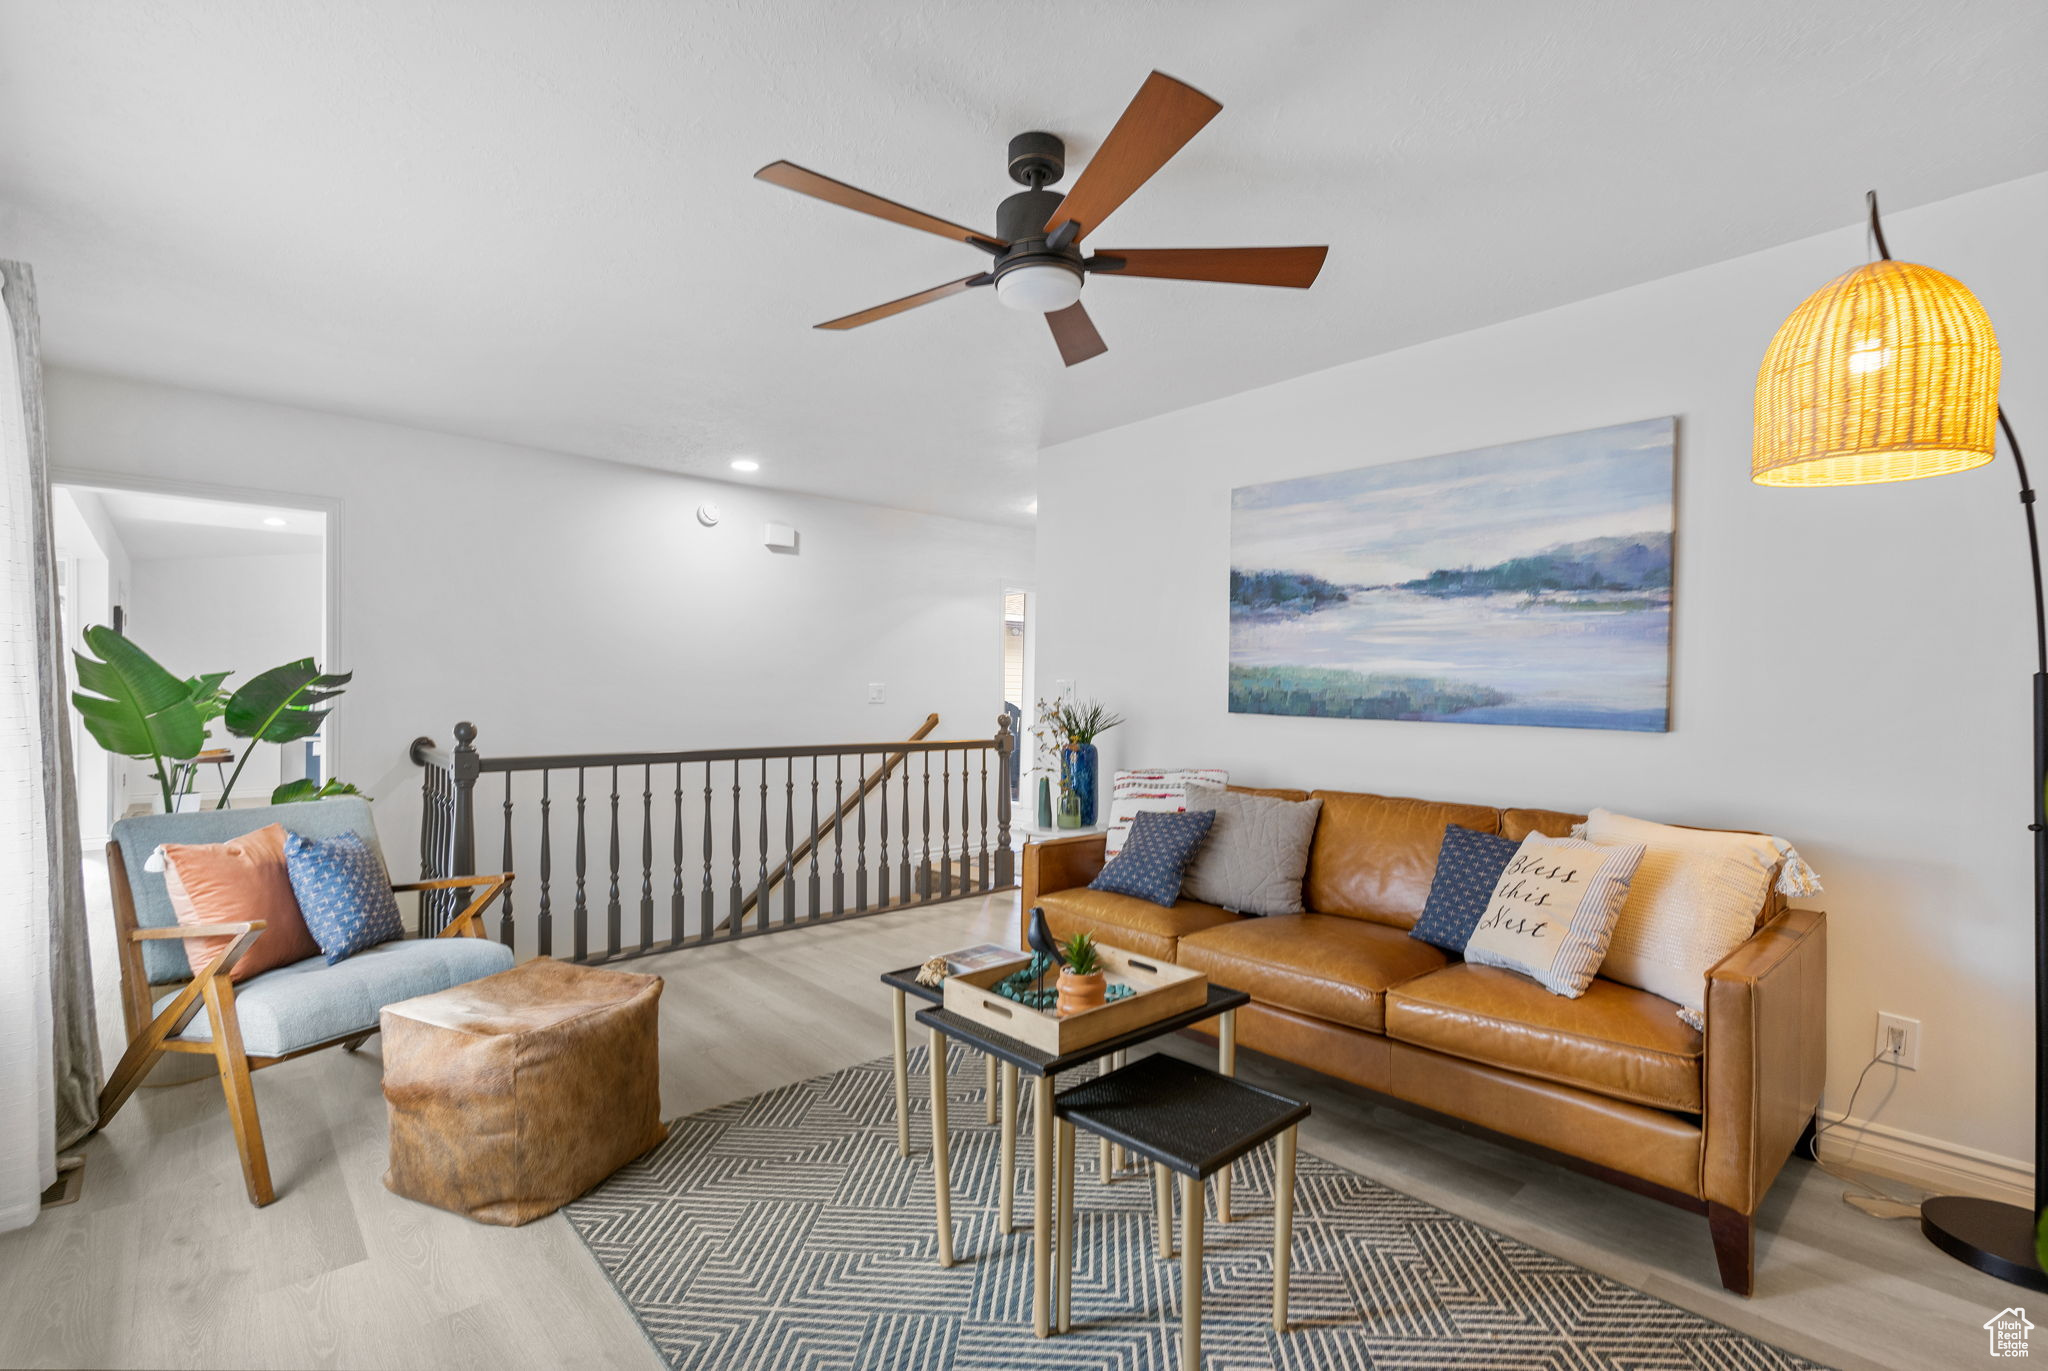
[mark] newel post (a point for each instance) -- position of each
(1006, 861)
(466, 766)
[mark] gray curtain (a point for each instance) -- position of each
(75, 1040)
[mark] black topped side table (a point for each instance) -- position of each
(1190, 1120)
(1016, 1058)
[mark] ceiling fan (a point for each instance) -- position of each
(1039, 265)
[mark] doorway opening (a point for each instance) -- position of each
(1016, 680)
(202, 585)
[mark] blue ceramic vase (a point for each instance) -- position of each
(1080, 767)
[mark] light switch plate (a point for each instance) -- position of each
(874, 692)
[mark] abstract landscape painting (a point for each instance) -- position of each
(1523, 584)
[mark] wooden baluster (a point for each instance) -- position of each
(647, 857)
(1006, 860)
(966, 862)
(838, 831)
(505, 864)
(946, 824)
(789, 840)
(544, 926)
(733, 914)
(427, 782)
(814, 839)
(860, 865)
(924, 871)
(903, 852)
(983, 883)
(611, 902)
(462, 836)
(582, 942)
(761, 881)
(882, 872)
(707, 904)
(676, 912)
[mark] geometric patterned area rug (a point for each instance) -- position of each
(784, 1232)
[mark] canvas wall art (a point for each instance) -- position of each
(1528, 583)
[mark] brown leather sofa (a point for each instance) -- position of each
(1613, 1083)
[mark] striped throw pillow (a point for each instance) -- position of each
(1160, 791)
(1553, 911)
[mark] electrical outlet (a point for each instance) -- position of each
(874, 692)
(1898, 1040)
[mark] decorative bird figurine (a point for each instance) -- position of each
(1040, 939)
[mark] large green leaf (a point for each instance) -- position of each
(293, 792)
(277, 706)
(133, 706)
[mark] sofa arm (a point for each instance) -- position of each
(1766, 1046)
(1061, 864)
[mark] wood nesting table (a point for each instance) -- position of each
(1189, 1120)
(1017, 1058)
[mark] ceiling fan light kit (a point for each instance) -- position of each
(1039, 265)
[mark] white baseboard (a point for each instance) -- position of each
(1938, 1167)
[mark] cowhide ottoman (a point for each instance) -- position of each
(514, 1094)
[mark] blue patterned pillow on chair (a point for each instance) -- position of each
(1155, 854)
(344, 892)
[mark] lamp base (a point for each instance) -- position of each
(1997, 1239)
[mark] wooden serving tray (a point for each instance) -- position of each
(1161, 990)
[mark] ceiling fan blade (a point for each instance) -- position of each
(1075, 332)
(803, 181)
(1244, 266)
(1157, 123)
(923, 297)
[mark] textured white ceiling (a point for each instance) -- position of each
(535, 221)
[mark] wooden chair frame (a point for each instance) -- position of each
(152, 1034)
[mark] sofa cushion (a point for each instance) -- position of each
(1126, 922)
(1551, 823)
(1162, 790)
(1552, 913)
(1322, 965)
(1270, 792)
(1256, 852)
(1614, 1040)
(1467, 870)
(1375, 855)
(311, 1002)
(1158, 850)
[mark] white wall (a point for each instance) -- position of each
(239, 614)
(564, 604)
(1850, 665)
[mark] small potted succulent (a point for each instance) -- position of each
(1083, 985)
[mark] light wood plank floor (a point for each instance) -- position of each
(163, 1263)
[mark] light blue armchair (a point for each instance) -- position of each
(279, 1014)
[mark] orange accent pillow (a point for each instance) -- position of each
(235, 882)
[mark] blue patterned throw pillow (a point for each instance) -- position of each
(1155, 854)
(344, 892)
(1468, 866)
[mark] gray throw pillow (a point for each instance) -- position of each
(1256, 854)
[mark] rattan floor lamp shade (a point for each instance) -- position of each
(1887, 373)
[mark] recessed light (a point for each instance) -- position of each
(273, 522)
(745, 464)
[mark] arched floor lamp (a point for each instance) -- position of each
(1887, 373)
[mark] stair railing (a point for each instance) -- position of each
(707, 821)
